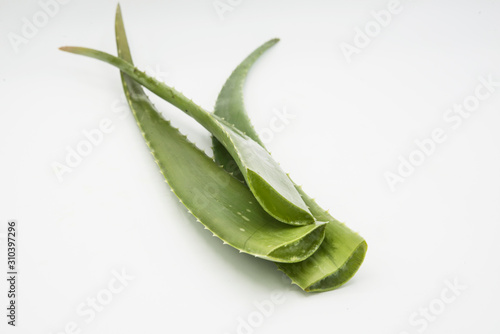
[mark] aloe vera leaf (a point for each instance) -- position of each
(335, 262)
(228, 106)
(220, 202)
(269, 184)
(342, 252)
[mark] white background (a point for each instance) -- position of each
(352, 121)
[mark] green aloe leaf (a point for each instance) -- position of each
(267, 181)
(229, 106)
(219, 201)
(342, 252)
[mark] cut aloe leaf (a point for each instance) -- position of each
(342, 252)
(269, 184)
(228, 106)
(219, 201)
(335, 262)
